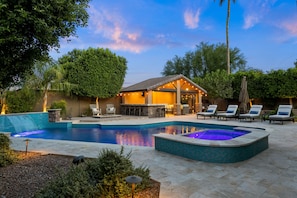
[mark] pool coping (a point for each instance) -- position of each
(247, 139)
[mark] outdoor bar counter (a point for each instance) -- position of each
(150, 110)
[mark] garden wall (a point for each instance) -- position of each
(78, 105)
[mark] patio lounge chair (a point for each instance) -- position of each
(110, 109)
(211, 111)
(283, 114)
(231, 112)
(254, 112)
(95, 110)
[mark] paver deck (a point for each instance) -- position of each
(270, 174)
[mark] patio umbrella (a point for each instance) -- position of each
(244, 95)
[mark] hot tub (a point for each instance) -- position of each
(232, 150)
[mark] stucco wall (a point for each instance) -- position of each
(77, 105)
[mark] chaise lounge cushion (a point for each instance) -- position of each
(254, 112)
(211, 111)
(94, 110)
(230, 112)
(110, 109)
(283, 114)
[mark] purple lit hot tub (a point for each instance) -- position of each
(216, 134)
(215, 145)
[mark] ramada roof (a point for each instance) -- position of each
(154, 83)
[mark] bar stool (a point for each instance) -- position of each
(158, 112)
(132, 110)
(136, 111)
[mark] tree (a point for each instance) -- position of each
(281, 83)
(206, 58)
(227, 32)
(3, 95)
(254, 81)
(174, 66)
(96, 72)
(218, 85)
(269, 87)
(47, 75)
(30, 29)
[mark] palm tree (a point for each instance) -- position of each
(227, 32)
(48, 75)
(3, 93)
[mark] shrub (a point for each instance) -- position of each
(74, 183)
(7, 156)
(144, 173)
(61, 104)
(109, 171)
(22, 100)
(4, 142)
(101, 177)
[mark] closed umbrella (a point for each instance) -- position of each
(244, 95)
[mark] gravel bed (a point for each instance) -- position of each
(34, 170)
(31, 173)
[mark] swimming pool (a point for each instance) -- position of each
(136, 135)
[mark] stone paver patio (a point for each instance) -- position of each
(271, 174)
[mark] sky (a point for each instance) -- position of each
(148, 33)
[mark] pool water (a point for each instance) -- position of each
(216, 134)
(135, 135)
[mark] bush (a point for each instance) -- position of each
(22, 100)
(101, 177)
(7, 156)
(61, 104)
(74, 183)
(4, 142)
(109, 171)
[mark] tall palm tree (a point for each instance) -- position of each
(227, 32)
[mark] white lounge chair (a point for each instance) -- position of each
(95, 110)
(211, 111)
(110, 109)
(253, 113)
(283, 114)
(231, 112)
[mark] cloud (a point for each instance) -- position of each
(250, 20)
(255, 11)
(290, 26)
(124, 46)
(191, 18)
(113, 28)
(287, 30)
(279, 17)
